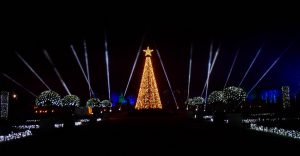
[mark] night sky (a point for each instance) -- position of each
(167, 28)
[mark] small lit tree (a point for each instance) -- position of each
(93, 102)
(94, 105)
(71, 101)
(48, 98)
(217, 101)
(216, 97)
(106, 103)
(198, 100)
(188, 103)
(233, 97)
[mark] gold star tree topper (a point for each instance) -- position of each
(148, 51)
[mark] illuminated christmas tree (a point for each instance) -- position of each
(148, 97)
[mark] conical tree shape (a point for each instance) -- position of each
(148, 97)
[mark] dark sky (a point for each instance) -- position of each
(170, 29)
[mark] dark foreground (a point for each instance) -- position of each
(137, 134)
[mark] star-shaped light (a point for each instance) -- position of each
(148, 51)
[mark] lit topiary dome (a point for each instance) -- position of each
(48, 98)
(71, 101)
(234, 95)
(216, 97)
(93, 102)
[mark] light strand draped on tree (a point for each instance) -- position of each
(148, 96)
(48, 98)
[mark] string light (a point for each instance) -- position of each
(106, 103)
(48, 98)
(189, 101)
(27, 126)
(99, 119)
(13, 136)
(275, 130)
(61, 125)
(285, 96)
(216, 97)
(78, 123)
(198, 100)
(234, 95)
(34, 120)
(148, 96)
(93, 102)
(81, 122)
(71, 100)
(263, 114)
(84, 120)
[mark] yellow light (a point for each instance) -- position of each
(148, 51)
(148, 96)
(90, 110)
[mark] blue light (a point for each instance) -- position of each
(132, 100)
(118, 98)
(252, 97)
(114, 99)
(122, 99)
(270, 96)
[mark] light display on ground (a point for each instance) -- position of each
(71, 101)
(34, 121)
(59, 125)
(216, 97)
(148, 96)
(81, 122)
(13, 136)
(98, 119)
(266, 119)
(27, 126)
(48, 98)
(78, 123)
(275, 130)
